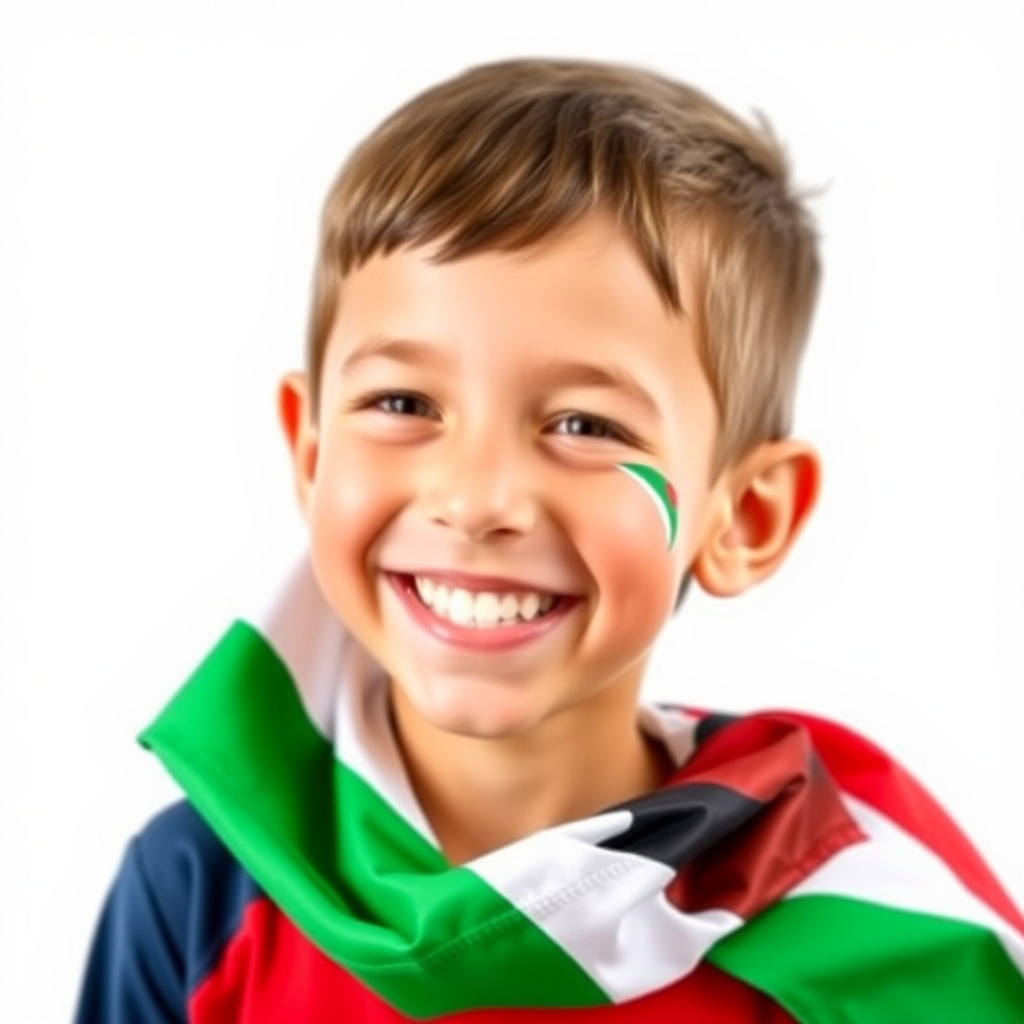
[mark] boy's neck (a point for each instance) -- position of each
(482, 794)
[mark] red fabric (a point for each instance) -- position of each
(801, 824)
(866, 772)
(269, 972)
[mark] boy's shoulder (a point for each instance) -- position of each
(189, 872)
(175, 840)
(178, 899)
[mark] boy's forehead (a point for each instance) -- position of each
(589, 277)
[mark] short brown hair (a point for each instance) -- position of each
(507, 154)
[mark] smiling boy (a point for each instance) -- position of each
(558, 312)
(472, 416)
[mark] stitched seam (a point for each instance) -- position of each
(528, 914)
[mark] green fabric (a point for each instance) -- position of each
(834, 960)
(351, 873)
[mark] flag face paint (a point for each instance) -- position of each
(661, 492)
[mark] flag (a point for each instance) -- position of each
(657, 487)
(785, 850)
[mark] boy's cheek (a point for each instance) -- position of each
(354, 499)
(357, 486)
(624, 543)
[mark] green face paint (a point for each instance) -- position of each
(660, 491)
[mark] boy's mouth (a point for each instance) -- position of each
(481, 609)
(457, 610)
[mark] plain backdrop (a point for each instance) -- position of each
(161, 172)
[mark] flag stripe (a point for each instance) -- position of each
(748, 816)
(363, 884)
(757, 756)
(893, 868)
(606, 908)
(365, 740)
(308, 639)
(866, 772)
(318, 652)
(833, 960)
(258, 980)
(675, 825)
(869, 932)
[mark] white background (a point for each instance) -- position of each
(161, 170)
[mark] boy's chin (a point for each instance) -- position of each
(468, 708)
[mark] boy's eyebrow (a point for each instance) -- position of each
(561, 374)
(403, 350)
(591, 375)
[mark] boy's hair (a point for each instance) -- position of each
(506, 155)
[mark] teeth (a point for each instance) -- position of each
(460, 608)
(487, 610)
(466, 608)
(509, 607)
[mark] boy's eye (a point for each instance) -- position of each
(398, 403)
(578, 424)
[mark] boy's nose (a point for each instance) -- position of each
(481, 488)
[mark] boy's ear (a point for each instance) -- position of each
(765, 501)
(294, 411)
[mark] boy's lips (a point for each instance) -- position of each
(490, 636)
(477, 583)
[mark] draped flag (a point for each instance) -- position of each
(785, 850)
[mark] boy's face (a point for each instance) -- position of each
(472, 418)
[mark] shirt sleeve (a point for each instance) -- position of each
(135, 973)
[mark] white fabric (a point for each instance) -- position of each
(605, 908)
(893, 869)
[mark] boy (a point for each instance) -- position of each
(558, 311)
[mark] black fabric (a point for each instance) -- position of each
(710, 724)
(678, 824)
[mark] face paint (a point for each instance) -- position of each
(660, 491)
